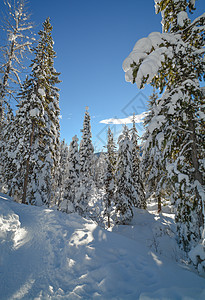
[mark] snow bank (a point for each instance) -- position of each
(45, 254)
(197, 256)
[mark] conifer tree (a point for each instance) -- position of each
(138, 186)
(99, 170)
(154, 172)
(109, 177)
(86, 152)
(62, 171)
(37, 127)
(174, 59)
(124, 190)
(71, 182)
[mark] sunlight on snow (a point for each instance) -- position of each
(20, 238)
(82, 237)
(51, 288)
(3, 197)
(83, 276)
(11, 224)
(102, 236)
(87, 257)
(163, 220)
(24, 289)
(70, 262)
(155, 258)
(48, 210)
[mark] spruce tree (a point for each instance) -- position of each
(138, 186)
(44, 78)
(86, 152)
(36, 127)
(62, 170)
(71, 183)
(174, 60)
(109, 176)
(124, 183)
(99, 170)
(153, 168)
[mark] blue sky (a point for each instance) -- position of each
(92, 38)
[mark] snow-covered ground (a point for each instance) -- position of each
(45, 254)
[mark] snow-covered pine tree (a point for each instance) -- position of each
(99, 170)
(138, 186)
(62, 171)
(44, 79)
(174, 59)
(35, 155)
(18, 137)
(86, 152)
(109, 176)
(17, 28)
(154, 172)
(71, 182)
(124, 184)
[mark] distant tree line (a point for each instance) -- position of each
(107, 187)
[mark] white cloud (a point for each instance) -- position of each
(128, 120)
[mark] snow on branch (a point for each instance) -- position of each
(147, 56)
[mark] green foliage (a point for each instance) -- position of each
(177, 120)
(109, 177)
(138, 197)
(86, 152)
(36, 131)
(124, 189)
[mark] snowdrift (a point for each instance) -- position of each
(45, 254)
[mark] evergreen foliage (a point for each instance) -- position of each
(109, 176)
(153, 166)
(99, 168)
(139, 200)
(62, 171)
(179, 53)
(71, 178)
(35, 154)
(124, 190)
(86, 153)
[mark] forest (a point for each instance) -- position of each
(39, 169)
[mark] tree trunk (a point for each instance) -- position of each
(197, 174)
(27, 166)
(159, 204)
(108, 221)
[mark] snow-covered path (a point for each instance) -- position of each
(45, 254)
